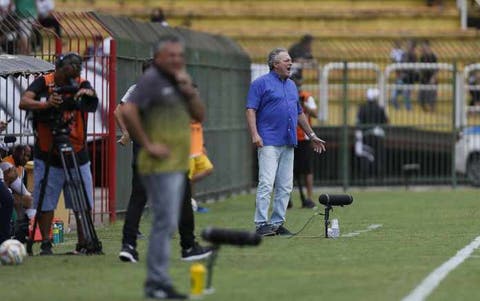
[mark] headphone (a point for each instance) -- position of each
(69, 58)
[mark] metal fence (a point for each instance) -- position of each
(433, 133)
(114, 49)
(221, 69)
(81, 33)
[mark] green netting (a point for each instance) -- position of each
(221, 69)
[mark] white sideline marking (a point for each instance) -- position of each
(433, 280)
(357, 232)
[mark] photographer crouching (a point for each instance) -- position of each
(59, 101)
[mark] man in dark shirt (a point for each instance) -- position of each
(427, 94)
(369, 146)
(302, 51)
(407, 78)
(191, 249)
(49, 108)
(158, 116)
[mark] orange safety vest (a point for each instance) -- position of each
(304, 95)
(78, 129)
(196, 138)
(9, 159)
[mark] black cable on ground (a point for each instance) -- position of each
(305, 225)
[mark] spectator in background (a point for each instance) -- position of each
(407, 78)
(27, 12)
(21, 154)
(427, 95)
(23, 200)
(45, 15)
(474, 82)
(6, 6)
(8, 27)
(302, 51)
(6, 198)
(369, 144)
(396, 56)
(95, 49)
(303, 159)
(158, 16)
(301, 54)
(431, 3)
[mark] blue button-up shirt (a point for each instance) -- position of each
(277, 108)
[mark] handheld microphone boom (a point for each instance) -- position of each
(335, 199)
(231, 237)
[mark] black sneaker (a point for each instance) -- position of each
(196, 252)
(128, 253)
(265, 230)
(163, 292)
(281, 230)
(46, 248)
(308, 204)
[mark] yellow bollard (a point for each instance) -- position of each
(197, 278)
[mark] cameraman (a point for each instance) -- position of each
(59, 101)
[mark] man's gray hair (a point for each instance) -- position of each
(273, 56)
(164, 40)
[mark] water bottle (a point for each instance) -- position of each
(56, 234)
(335, 229)
(197, 278)
(60, 230)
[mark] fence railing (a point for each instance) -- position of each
(81, 33)
(435, 139)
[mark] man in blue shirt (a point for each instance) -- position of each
(273, 112)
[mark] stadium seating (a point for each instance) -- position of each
(344, 30)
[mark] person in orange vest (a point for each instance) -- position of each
(53, 108)
(23, 199)
(303, 160)
(200, 166)
(21, 154)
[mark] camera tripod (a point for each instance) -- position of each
(75, 187)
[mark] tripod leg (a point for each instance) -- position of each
(88, 208)
(78, 195)
(210, 265)
(78, 204)
(327, 222)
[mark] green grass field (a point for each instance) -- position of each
(420, 231)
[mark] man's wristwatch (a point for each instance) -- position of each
(312, 135)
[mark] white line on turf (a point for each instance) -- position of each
(433, 280)
(357, 232)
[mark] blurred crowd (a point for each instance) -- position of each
(20, 21)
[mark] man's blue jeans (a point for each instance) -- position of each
(165, 192)
(275, 172)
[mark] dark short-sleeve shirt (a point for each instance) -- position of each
(427, 74)
(277, 108)
(165, 119)
(44, 136)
